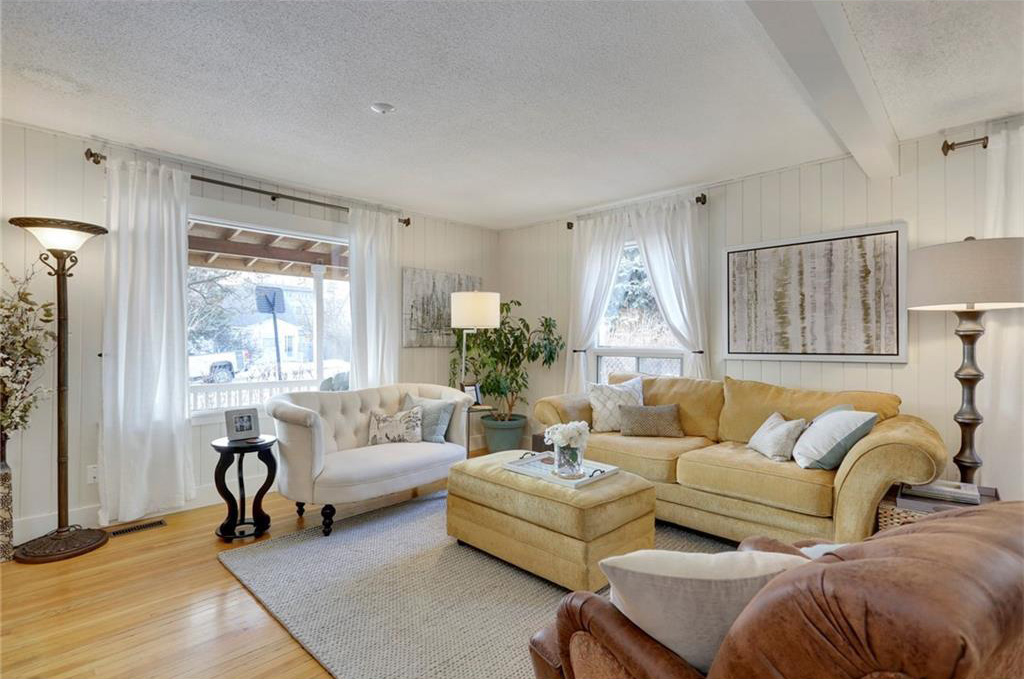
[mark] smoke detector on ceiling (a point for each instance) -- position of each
(382, 108)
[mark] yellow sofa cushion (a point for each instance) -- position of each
(585, 513)
(700, 401)
(652, 457)
(733, 470)
(748, 404)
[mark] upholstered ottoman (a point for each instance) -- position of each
(555, 532)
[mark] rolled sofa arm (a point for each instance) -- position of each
(901, 449)
(291, 413)
(300, 441)
(564, 408)
(595, 639)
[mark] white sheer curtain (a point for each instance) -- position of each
(1000, 395)
(145, 459)
(376, 289)
(597, 242)
(672, 236)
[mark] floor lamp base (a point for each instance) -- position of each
(63, 543)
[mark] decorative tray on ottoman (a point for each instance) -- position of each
(542, 466)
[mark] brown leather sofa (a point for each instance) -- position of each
(942, 597)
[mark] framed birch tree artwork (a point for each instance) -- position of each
(427, 305)
(838, 296)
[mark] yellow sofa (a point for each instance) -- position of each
(710, 481)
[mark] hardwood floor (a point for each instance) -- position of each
(156, 603)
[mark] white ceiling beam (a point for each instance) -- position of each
(815, 40)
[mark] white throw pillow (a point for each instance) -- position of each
(776, 437)
(688, 601)
(605, 400)
(405, 426)
(829, 438)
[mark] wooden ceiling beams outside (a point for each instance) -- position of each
(238, 249)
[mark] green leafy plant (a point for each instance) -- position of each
(499, 358)
(26, 341)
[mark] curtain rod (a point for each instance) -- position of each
(96, 158)
(948, 146)
(701, 199)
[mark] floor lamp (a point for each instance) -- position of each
(472, 311)
(968, 277)
(61, 238)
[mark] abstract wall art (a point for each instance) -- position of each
(427, 305)
(838, 296)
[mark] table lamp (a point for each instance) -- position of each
(61, 238)
(967, 277)
(472, 311)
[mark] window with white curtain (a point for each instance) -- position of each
(633, 335)
(267, 313)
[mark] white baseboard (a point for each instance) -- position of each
(29, 527)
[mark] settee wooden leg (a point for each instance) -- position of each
(300, 508)
(328, 513)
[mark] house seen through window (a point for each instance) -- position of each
(633, 335)
(266, 313)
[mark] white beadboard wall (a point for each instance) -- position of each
(940, 198)
(45, 173)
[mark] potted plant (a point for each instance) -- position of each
(26, 341)
(499, 360)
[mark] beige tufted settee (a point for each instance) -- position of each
(325, 459)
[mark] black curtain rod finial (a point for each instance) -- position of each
(569, 225)
(405, 222)
(702, 199)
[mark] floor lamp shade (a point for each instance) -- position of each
(476, 309)
(59, 234)
(967, 277)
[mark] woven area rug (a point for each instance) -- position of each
(388, 595)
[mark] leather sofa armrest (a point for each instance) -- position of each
(564, 408)
(544, 654)
(640, 655)
(901, 449)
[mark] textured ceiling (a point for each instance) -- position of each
(942, 64)
(507, 112)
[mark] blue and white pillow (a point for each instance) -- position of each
(831, 435)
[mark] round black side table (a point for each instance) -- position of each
(234, 526)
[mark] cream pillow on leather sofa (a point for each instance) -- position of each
(688, 601)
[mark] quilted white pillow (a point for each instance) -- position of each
(605, 400)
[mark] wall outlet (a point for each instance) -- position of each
(92, 473)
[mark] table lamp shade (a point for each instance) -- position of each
(476, 309)
(987, 273)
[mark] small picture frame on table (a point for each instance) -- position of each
(242, 424)
(473, 391)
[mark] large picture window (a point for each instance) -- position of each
(266, 314)
(633, 335)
